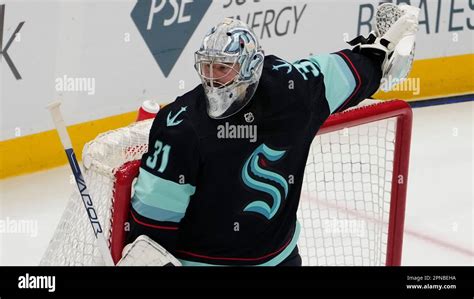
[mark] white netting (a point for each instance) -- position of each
(345, 200)
(74, 242)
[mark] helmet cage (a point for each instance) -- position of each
(229, 64)
(213, 70)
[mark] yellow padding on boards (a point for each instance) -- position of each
(438, 77)
(44, 150)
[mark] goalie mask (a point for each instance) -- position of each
(229, 63)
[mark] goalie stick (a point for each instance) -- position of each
(81, 184)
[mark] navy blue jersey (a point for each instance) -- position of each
(226, 192)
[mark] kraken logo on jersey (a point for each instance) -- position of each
(171, 121)
(261, 181)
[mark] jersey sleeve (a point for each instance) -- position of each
(167, 178)
(326, 83)
(348, 77)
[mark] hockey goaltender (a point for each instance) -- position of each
(203, 200)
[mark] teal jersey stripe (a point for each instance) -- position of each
(161, 194)
(273, 262)
(186, 263)
(155, 213)
(339, 81)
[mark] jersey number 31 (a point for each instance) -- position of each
(153, 159)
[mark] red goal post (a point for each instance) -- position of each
(401, 110)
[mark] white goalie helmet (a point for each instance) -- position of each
(229, 63)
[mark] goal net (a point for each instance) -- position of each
(352, 203)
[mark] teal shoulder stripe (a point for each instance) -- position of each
(338, 79)
(162, 194)
(273, 262)
(155, 213)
